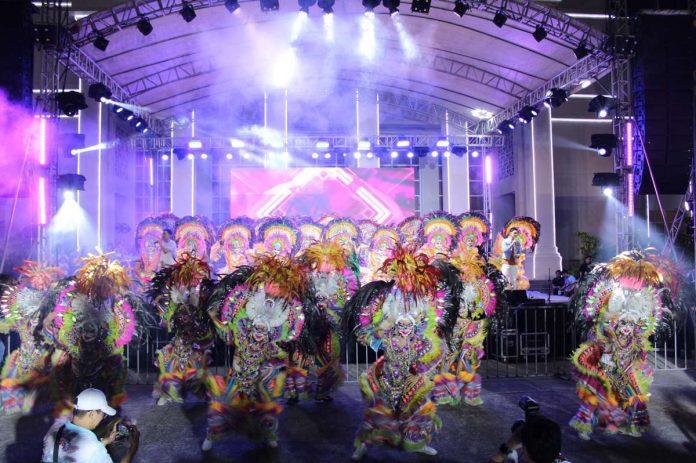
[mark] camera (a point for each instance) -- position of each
(530, 407)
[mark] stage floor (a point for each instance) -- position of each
(323, 432)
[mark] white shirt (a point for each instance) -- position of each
(169, 253)
(77, 444)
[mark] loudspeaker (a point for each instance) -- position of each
(516, 297)
(17, 52)
(663, 86)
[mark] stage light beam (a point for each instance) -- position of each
(368, 37)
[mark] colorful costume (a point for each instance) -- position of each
(383, 243)
(623, 302)
(94, 316)
(466, 329)
(334, 283)
(310, 232)
(399, 318)
(438, 235)
(346, 234)
(194, 235)
(179, 292)
(509, 252)
(255, 309)
(147, 238)
(474, 232)
(367, 230)
(235, 240)
(277, 237)
(28, 367)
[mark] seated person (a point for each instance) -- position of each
(557, 283)
(75, 441)
(569, 284)
(538, 440)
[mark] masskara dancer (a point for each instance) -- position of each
(623, 303)
(399, 318)
(28, 367)
(255, 309)
(179, 291)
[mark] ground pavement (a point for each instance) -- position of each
(323, 432)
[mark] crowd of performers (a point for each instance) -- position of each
(286, 293)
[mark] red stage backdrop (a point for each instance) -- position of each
(383, 195)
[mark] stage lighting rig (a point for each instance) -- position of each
(581, 51)
(604, 143)
(100, 42)
(70, 102)
(460, 8)
(527, 113)
(187, 12)
(555, 98)
(506, 126)
(326, 6)
(539, 33)
(392, 6)
(500, 18)
(420, 6)
(99, 92)
(144, 26)
(71, 182)
(370, 5)
(232, 5)
(305, 5)
(601, 106)
(269, 5)
(606, 179)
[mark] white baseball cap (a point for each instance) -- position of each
(93, 399)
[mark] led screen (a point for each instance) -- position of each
(383, 195)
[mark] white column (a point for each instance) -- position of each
(455, 171)
(546, 257)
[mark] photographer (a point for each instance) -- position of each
(75, 441)
(538, 438)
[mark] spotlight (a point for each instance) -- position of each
(581, 51)
(364, 145)
(326, 6)
(327, 155)
(204, 155)
(187, 12)
(447, 153)
(68, 195)
(129, 115)
(604, 143)
(357, 155)
(116, 109)
(608, 191)
(235, 143)
(315, 155)
(506, 126)
(232, 5)
(434, 153)
(394, 154)
(195, 144)
(370, 5)
(369, 155)
(392, 5)
(409, 155)
(99, 92)
(460, 8)
(442, 143)
(322, 145)
(305, 5)
(475, 154)
(481, 113)
(165, 157)
(601, 106)
(246, 155)
(70, 102)
(527, 113)
(100, 42)
(144, 26)
(500, 18)
(403, 143)
(228, 156)
(555, 98)
(585, 83)
(539, 33)
(72, 182)
(420, 6)
(191, 156)
(607, 181)
(269, 5)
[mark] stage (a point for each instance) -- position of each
(323, 432)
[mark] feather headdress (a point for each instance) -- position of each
(367, 230)
(412, 272)
(529, 229)
(279, 236)
(189, 270)
(342, 230)
(310, 232)
(281, 277)
(439, 231)
(101, 278)
(409, 228)
(37, 276)
(194, 234)
(474, 228)
(325, 257)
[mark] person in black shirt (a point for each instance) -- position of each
(586, 267)
(557, 283)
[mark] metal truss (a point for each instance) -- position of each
(308, 143)
(557, 24)
(593, 66)
(686, 205)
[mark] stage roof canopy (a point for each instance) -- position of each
(461, 64)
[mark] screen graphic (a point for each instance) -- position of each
(383, 195)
